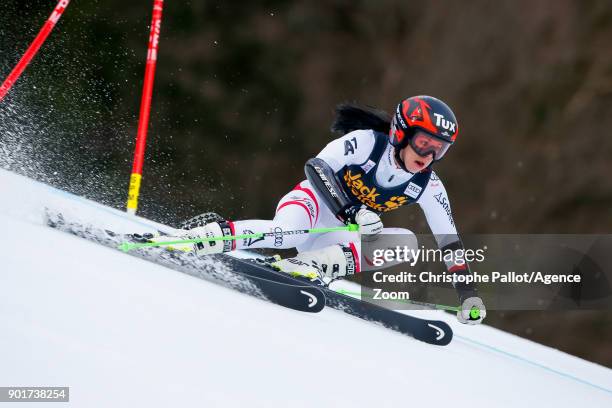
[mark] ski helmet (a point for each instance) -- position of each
(426, 117)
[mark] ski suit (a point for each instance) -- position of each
(364, 162)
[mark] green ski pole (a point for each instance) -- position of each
(127, 246)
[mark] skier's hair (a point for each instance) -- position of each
(351, 116)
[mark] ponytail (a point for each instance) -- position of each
(350, 116)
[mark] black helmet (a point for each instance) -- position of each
(427, 114)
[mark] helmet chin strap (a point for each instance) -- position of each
(399, 159)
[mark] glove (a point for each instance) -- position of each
(212, 230)
(472, 311)
(369, 222)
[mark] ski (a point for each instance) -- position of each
(434, 332)
(257, 278)
(294, 295)
(259, 282)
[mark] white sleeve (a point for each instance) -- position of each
(353, 148)
(435, 204)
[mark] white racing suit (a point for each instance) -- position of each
(362, 164)
(302, 208)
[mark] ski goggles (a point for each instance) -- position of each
(425, 144)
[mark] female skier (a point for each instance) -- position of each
(378, 165)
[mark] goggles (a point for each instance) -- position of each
(424, 144)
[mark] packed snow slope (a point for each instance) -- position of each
(123, 332)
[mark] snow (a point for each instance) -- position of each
(121, 331)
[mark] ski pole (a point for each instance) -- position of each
(126, 246)
(412, 302)
(33, 48)
(145, 108)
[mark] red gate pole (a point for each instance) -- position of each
(33, 48)
(145, 108)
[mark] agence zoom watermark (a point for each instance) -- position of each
(510, 271)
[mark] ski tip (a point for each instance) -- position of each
(316, 299)
(440, 333)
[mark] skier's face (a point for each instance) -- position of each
(413, 162)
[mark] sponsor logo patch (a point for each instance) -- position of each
(326, 182)
(369, 195)
(440, 198)
(413, 190)
(247, 242)
(350, 261)
(368, 166)
(278, 236)
(434, 180)
(441, 121)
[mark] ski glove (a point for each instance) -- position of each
(369, 222)
(472, 311)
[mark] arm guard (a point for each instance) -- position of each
(464, 290)
(324, 181)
